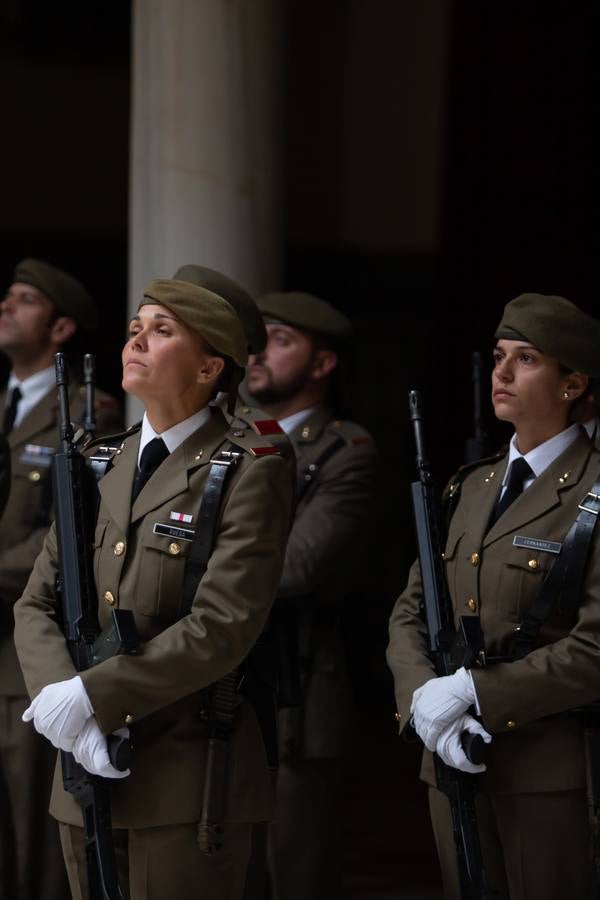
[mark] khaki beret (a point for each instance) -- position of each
(236, 296)
(307, 312)
(68, 295)
(556, 327)
(204, 312)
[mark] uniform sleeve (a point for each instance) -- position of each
(230, 608)
(333, 525)
(40, 643)
(557, 677)
(407, 648)
(16, 562)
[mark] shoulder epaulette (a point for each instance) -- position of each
(350, 432)
(256, 419)
(101, 451)
(110, 440)
(244, 436)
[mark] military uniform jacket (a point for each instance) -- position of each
(327, 544)
(27, 514)
(537, 743)
(139, 569)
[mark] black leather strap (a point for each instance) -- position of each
(561, 590)
(202, 546)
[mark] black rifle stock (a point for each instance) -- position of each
(450, 649)
(75, 503)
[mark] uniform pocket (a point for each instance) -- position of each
(162, 570)
(520, 580)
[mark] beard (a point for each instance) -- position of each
(278, 391)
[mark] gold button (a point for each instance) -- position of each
(246, 409)
(397, 717)
(533, 564)
(511, 724)
(109, 598)
(472, 604)
(119, 548)
(306, 431)
(174, 548)
(34, 476)
(474, 559)
(128, 719)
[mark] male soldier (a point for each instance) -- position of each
(43, 309)
(293, 379)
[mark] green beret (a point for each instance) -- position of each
(68, 295)
(236, 296)
(203, 311)
(556, 327)
(307, 312)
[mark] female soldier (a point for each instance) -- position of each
(532, 807)
(184, 341)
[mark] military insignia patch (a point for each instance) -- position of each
(180, 517)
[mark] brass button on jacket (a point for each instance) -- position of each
(472, 604)
(174, 548)
(109, 598)
(533, 564)
(511, 724)
(474, 559)
(119, 548)
(34, 476)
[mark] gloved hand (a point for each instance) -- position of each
(449, 747)
(439, 702)
(60, 711)
(90, 750)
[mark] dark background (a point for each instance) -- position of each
(440, 158)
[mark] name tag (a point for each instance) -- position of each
(528, 543)
(36, 455)
(171, 531)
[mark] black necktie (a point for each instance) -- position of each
(153, 454)
(10, 413)
(520, 471)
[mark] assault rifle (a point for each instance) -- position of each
(450, 648)
(75, 504)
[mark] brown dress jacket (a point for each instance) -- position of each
(325, 551)
(141, 570)
(537, 742)
(26, 517)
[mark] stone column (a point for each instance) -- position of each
(205, 177)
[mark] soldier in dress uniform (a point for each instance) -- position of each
(292, 380)
(511, 525)
(185, 344)
(43, 309)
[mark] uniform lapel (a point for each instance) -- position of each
(307, 434)
(41, 418)
(491, 479)
(562, 475)
(172, 477)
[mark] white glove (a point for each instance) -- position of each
(60, 711)
(90, 750)
(439, 702)
(449, 747)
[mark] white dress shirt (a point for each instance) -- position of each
(175, 435)
(32, 390)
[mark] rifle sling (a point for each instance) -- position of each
(561, 589)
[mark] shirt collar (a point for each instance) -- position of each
(290, 422)
(38, 383)
(544, 455)
(175, 435)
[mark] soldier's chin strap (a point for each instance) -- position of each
(561, 590)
